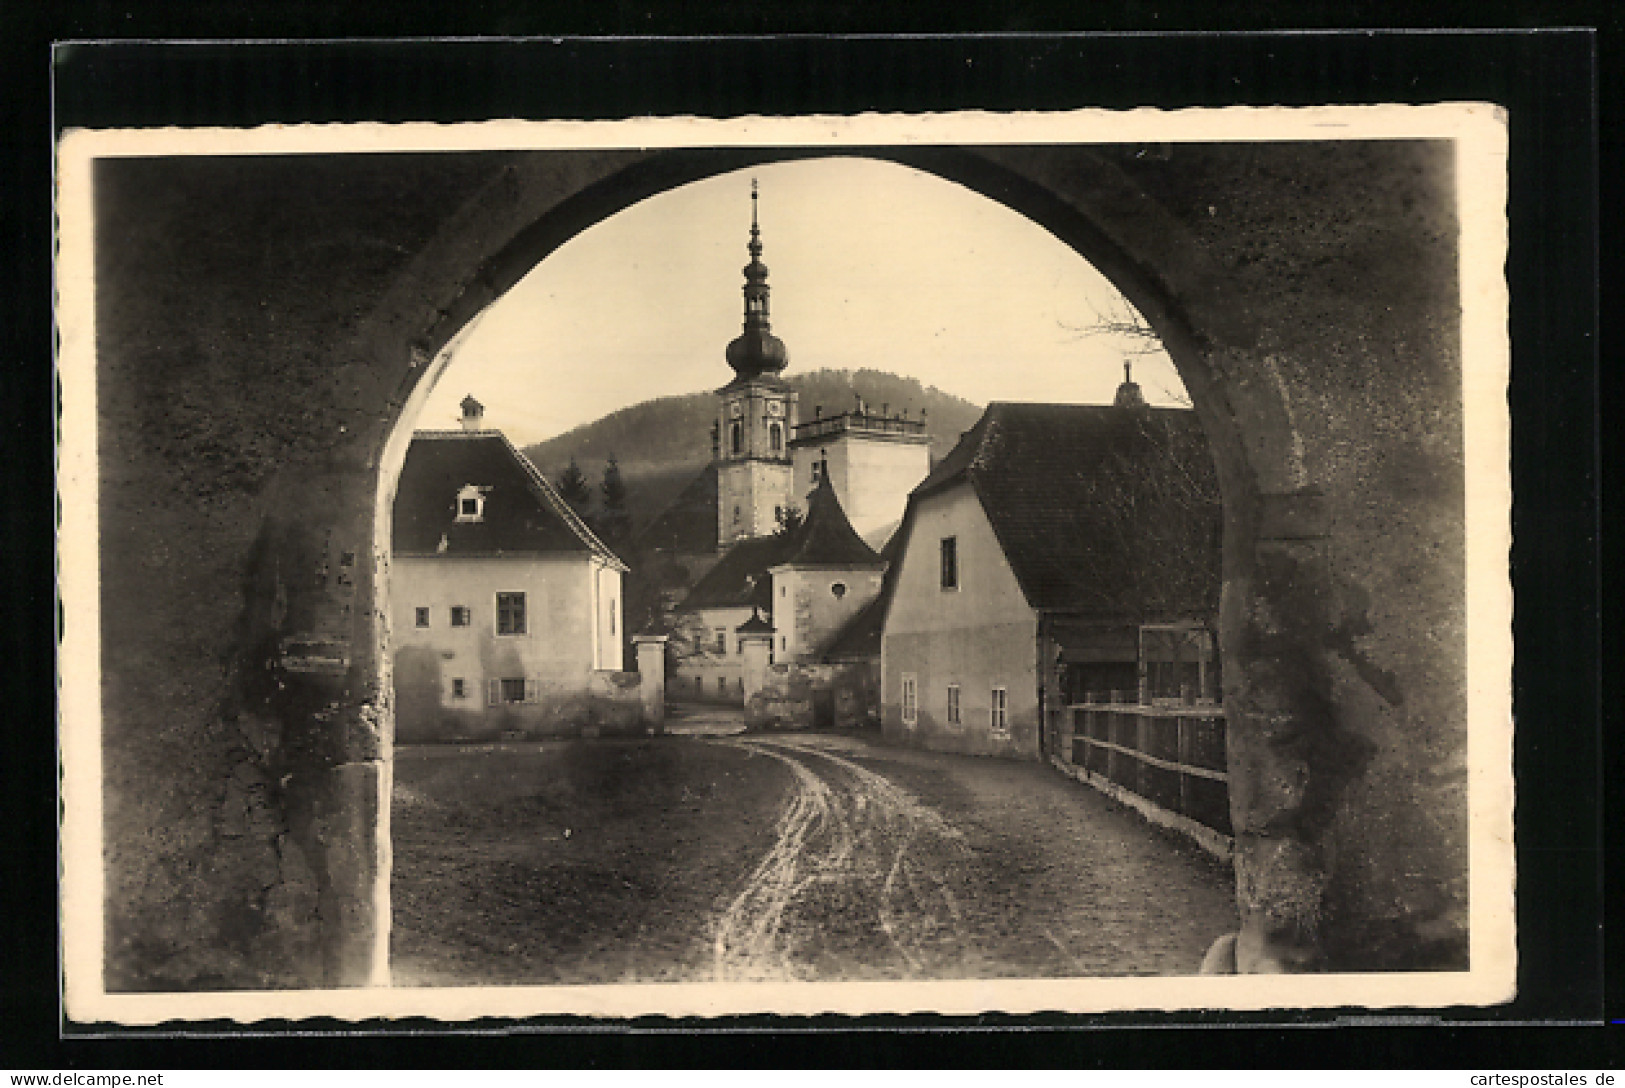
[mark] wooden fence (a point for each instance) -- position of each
(1168, 761)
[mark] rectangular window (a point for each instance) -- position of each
(423, 617)
(612, 615)
(953, 704)
(911, 699)
(513, 689)
(722, 640)
(510, 613)
(722, 685)
(997, 719)
(459, 615)
(950, 562)
(459, 689)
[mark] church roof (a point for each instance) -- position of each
(1097, 509)
(824, 538)
(689, 524)
(756, 351)
(520, 514)
(740, 577)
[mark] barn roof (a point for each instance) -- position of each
(1098, 508)
(522, 514)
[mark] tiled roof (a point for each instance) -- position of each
(689, 524)
(522, 513)
(740, 577)
(824, 539)
(1098, 509)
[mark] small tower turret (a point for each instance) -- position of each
(1128, 394)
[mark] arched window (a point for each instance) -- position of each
(736, 437)
(775, 437)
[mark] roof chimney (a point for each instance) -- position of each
(473, 414)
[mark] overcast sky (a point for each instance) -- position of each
(872, 265)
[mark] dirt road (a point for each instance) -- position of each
(859, 866)
(891, 863)
(712, 857)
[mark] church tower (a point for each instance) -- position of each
(757, 416)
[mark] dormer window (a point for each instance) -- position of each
(470, 504)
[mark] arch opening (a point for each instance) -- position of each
(1145, 292)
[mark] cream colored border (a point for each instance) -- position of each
(1480, 133)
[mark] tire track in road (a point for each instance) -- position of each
(846, 836)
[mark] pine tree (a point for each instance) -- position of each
(574, 489)
(615, 521)
(614, 488)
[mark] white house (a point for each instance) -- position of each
(506, 608)
(1028, 560)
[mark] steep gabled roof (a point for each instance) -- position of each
(1098, 509)
(689, 524)
(522, 514)
(826, 538)
(756, 625)
(823, 539)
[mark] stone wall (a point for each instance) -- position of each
(815, 696)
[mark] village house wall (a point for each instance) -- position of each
(979, 635)
(699, 672)
(571, 605)
(807, 610)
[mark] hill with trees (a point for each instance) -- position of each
(659, 444)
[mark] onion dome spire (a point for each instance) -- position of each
(756, 351)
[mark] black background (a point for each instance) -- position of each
(1547, 80)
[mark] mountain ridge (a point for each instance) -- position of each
(658, 444)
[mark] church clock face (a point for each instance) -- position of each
(735, 410)
(775, 408)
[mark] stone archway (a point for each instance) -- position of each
(1306, 293)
